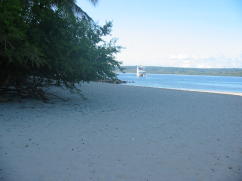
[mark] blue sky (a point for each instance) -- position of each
(183, 33)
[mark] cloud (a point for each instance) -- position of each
(204, 62)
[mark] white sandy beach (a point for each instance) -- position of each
(123, 133)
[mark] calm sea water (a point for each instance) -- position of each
(188, 82)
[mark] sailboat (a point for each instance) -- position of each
(140, 72)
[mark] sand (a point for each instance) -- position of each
(122, 133)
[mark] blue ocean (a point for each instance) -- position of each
(187, 82)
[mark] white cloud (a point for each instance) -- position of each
(204, 62)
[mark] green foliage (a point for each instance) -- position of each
(45, 42)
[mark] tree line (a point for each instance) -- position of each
(187, 71)
(51, 42)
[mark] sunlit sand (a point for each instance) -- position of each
(123, 133)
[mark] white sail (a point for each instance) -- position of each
(140, 72)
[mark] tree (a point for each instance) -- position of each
(46, 42)
(71, 7)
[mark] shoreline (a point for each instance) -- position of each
(190, 90)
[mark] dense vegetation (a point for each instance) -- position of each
(51, 42)
(188, 71)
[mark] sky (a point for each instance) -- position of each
(174, 33)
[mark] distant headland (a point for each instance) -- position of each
(187, 71)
